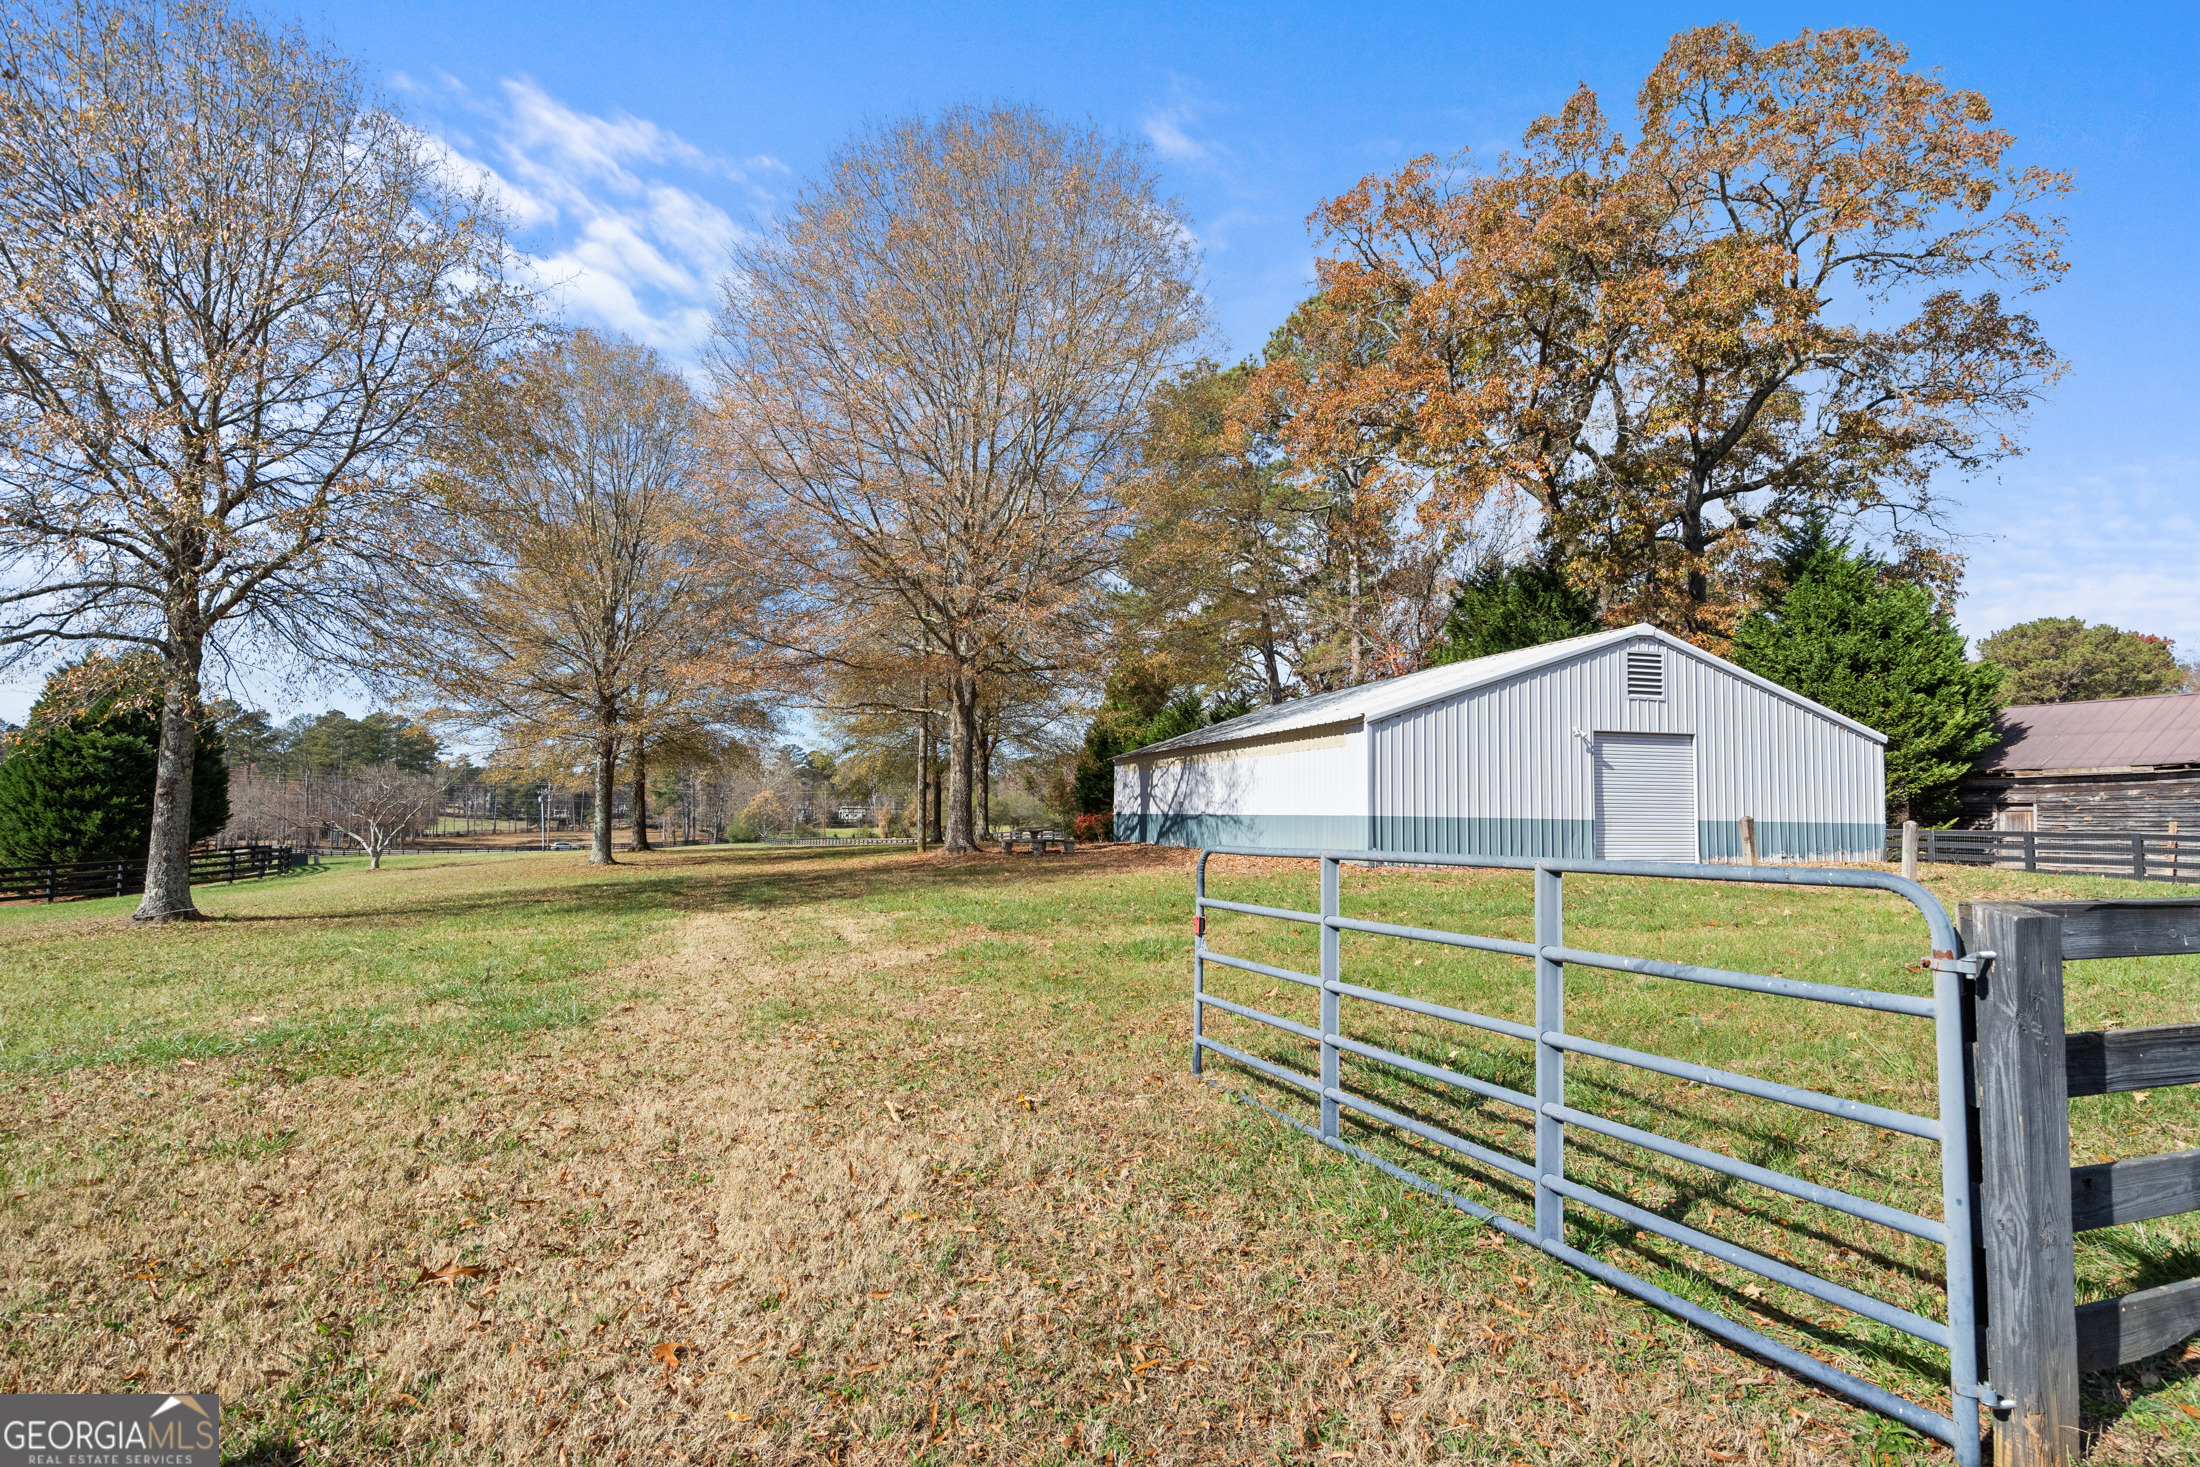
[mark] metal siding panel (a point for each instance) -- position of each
(1501, 764)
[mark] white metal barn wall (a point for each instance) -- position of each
(1297, 789)
(1508, 769)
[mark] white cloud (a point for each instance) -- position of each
(1171, 127)
(1166, 133)
(614, 214)
(2112, 543)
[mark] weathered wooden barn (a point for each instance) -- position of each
(2115, 764)
(1627, 744)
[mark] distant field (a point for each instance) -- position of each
(800, 1154)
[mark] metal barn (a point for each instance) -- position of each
(1624, 745)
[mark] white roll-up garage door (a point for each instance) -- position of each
(1646, 797)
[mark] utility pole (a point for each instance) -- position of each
(542, 803)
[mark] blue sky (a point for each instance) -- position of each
(636, 143)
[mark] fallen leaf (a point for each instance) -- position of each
(1717, 1456)
(737, 1416)
(2188, 1410)
(450, 1273)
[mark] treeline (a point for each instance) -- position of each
(954, 469)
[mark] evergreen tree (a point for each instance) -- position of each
(1502, 608)
(77, 784)
(1843, 631)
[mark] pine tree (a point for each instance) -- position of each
(77, 785)
(1847, 633)
(1502, 608)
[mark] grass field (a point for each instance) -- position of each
(804, 1154)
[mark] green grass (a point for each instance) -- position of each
(335, 966)
(342, 968)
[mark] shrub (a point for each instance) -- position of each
(1099, 825)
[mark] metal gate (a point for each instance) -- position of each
(1547, 1175)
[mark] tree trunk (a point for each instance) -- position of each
(168, 853)
(985, 783)
(1353, 575)
(924, 779)
(607, 769)
(641, 796)
(1268, 660)
(962, 750)
(939, 784)
(1695, 542)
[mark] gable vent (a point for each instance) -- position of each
(1645, 675)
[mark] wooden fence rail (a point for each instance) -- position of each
(85, 880)
(2033, 1202)
(2139, 855)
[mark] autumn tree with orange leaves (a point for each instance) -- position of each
(1786, 294)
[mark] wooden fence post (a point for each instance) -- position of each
(1749, 840)
(1909, 849)
(2024, 1134)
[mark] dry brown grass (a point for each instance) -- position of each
(820, 1199)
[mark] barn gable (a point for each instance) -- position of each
(1630, 743)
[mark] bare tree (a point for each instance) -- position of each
(932, 373)
(233, 295)
(571, 587)
(378, 807)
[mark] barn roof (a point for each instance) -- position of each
(1375, 700)
(2106, 733)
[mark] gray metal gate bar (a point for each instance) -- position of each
(1831, 1105)
(1894, 1316)
(1308, 979)
(1433, 1072)
(1273, 1021)
(1547, 1176)
(1445, 939)
(1266, 1067)
(1435, 1134)
(1810, 1367)
(1438, 1011)
(1855, 998)
(1839, 1201)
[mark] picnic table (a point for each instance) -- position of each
(1038, 841)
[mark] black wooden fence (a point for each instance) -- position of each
(2032, 1200)
(2135, 855)
(83, 880)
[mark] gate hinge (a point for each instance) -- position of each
(1970, 965)
(1985, 1394)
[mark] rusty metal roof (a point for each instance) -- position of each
(2108, 733)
